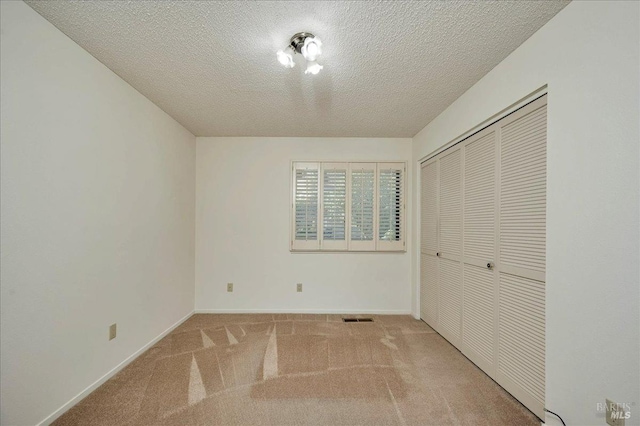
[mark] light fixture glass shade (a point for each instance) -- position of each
(285, 57)
(312, 48)
(313, 68)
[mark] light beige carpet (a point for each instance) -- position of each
(300, 370)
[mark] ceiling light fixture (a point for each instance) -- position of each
(308, 45)
(311, 48)
(313, 68)
(285, 57)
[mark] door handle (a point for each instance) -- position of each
(490, 266)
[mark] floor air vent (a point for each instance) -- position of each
(357, 319)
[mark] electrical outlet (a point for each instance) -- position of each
(616, 413)
(230, 287)
(299, 288)
(112, 331)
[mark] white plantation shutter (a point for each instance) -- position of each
(363, 207)
(348, 206)
(306, 194)
(334, 206)
(390, 206)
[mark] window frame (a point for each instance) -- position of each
(339, 246)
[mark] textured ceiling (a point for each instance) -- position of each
(389, 67)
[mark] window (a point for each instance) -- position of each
(306, 206)
(390, 195)
(363, 197)
(348, 206)
(334, 206)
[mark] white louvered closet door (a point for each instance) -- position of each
(483, 212)
(450, 246)
(479, 247)
(429, 243)
(523, 177)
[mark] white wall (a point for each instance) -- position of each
(589, 57)
(98, 199)
(242, 232)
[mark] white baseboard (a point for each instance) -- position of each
(60, 411)
(304, 311)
